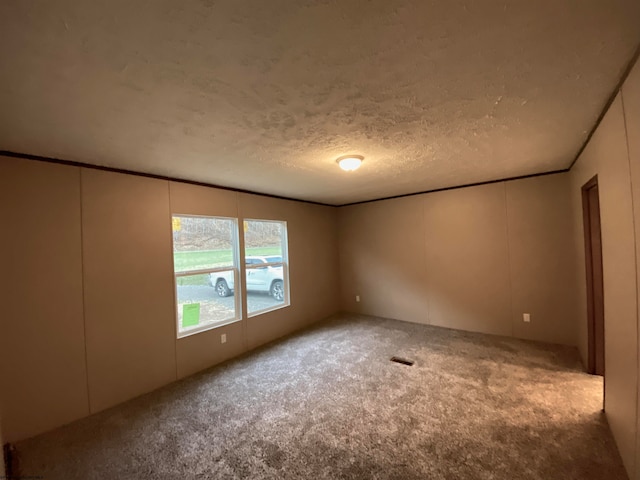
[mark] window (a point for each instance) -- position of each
(267, 264)
(205, 263)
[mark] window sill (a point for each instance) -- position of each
(267, 310)
(207, 327)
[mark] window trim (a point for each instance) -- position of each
(235, 267)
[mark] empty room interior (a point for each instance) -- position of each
(320, 239)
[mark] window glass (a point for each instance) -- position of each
(205, 252)
(263, 237)
(202, 242)
(267, 269)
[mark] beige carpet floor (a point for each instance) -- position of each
(327, 403)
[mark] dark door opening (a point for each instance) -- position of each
(595, 291)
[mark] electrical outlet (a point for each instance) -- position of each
(526, 317)
(223, 338)
(357, 298)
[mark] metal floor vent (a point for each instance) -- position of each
(403, 361)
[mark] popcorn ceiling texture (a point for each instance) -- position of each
(328, 404)
(265, 95)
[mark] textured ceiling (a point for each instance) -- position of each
(265, 95)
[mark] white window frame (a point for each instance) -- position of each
(284, 240)
(237, 283)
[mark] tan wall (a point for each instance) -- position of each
(103, 240)
(382, 259)
(42, 368)
(474, 258)
(467, 260)
(607, 156)
(542, 268)
(631, 104)
(128, 286)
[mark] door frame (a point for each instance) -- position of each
(592, 331)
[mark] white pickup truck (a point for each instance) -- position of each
(262, 279)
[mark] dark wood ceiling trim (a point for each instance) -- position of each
(607, 105)
(488, 182)
(39, 158)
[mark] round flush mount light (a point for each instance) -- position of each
(350, 163)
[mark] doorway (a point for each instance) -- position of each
(595, 291)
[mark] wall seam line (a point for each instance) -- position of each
(506, 218)
(82, 275)
(635, 252)
(175, 300)
(424, 258)
(339, 260)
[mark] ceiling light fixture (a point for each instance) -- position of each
(350, 163)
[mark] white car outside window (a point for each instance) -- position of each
(262, 279)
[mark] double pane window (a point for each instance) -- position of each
(206, 262)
